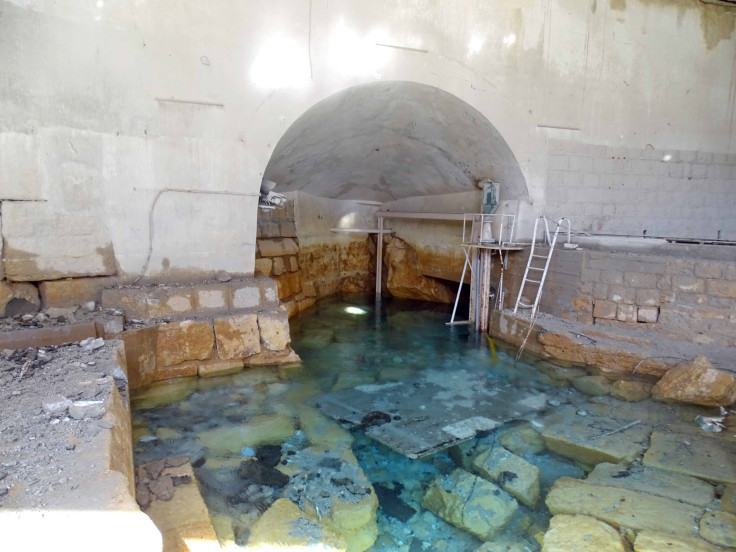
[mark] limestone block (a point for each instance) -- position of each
(245, 295)
(213, 368)
(518, 477)
(323, 431)
(269, 290)
(264, 265)
(270, 358)
(167, 302)
(648, 297)
(268, 229)
(719, 288)
(140, 352)
(71, 292)
(270, 429)
(697, 382)
(470, 503)
(289, 284)
(274, 328)
(293, 264)
(626, 313)
(630, 391)
(237, 336)
(636, 477)
(588, 439)
(728, 500)
(622, 508)
(277, 248)
(278, 266)
(41, 244)
(592, 385)
(133, 302)
(18, 298)
(183, 370)
(184, 521)
(178, 342)
(648, 315)
(523, 439)
(581, 534)
(276, 527)
(583, 304)
(719, 528)
(651, 541)
(212, 298)
(604, 309)
(287, 229)
(705, 457)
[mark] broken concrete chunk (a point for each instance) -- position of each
(705, 457)
(56, 405)
(621, 507)
(581, 534)
(697, 382)
(517, 476)
(470, 503)
(80, 410)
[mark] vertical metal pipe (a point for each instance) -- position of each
(379, 258)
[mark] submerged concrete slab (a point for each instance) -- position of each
(431, 412)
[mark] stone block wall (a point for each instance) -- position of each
(204, 329)
(682, 296)
(304, 274)
(669, 193)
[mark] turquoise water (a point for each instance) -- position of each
(343, 342)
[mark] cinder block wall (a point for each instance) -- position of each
(679, 295)
(667, 193)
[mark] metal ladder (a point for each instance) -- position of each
(537, 269)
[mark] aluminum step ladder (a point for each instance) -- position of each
(534, 273)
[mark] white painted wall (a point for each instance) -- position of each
(88, 126)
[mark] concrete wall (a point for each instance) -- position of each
(105, 105)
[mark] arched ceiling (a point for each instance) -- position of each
(392, 140)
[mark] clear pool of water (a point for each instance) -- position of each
(343, 342)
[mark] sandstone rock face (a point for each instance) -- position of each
(517, 476)
(274, 327)
(470, 503)
(581, 534)
(41, 244)
(237, 336)
(405, 281)
(697, 382)
(181, 341)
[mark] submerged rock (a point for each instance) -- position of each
(470, 503)
(630, 391)
(697, 382)
(621, 507)
(581, 534)
(592, 385)
(719, 528)
(651, 541)
(523, 439)
(262, 430)
(517, 476)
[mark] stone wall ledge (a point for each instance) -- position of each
(615, 353)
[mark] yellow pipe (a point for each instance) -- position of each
(493, 348)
